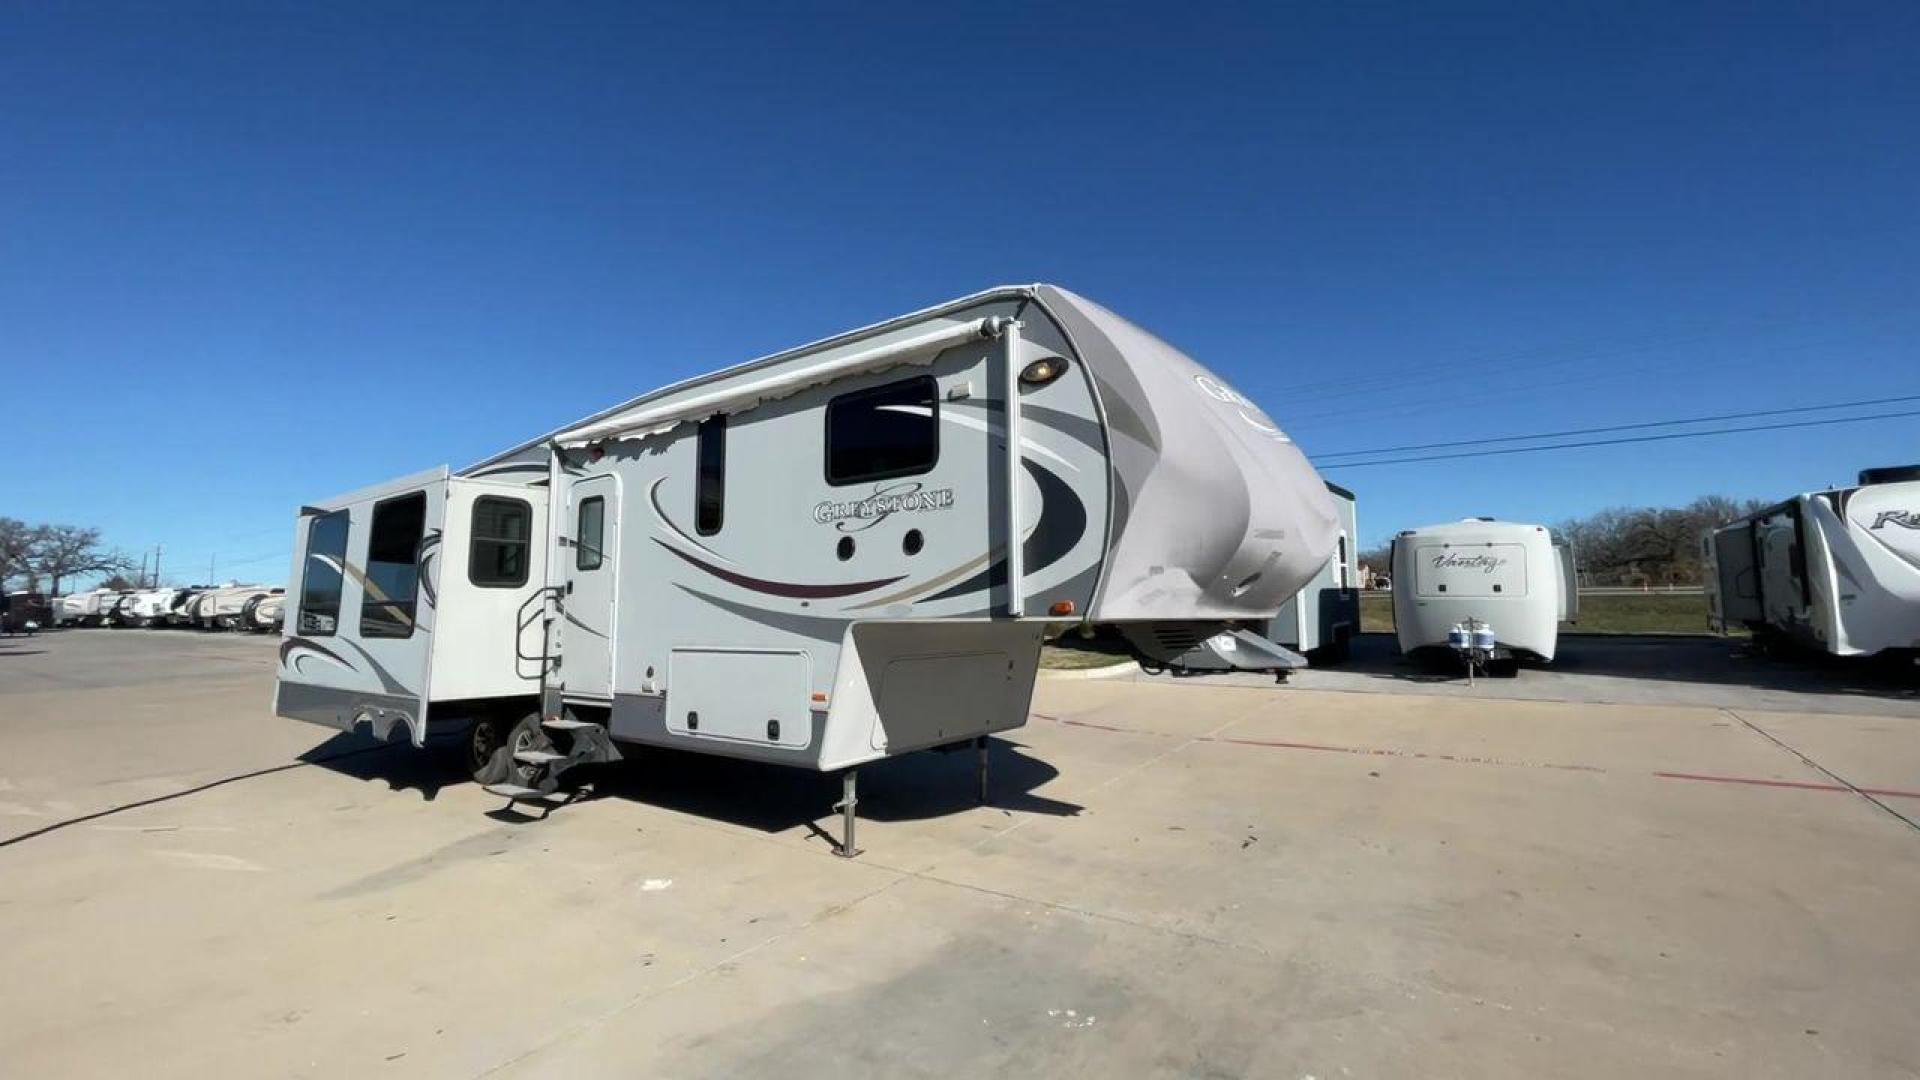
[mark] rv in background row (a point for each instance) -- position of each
(1507, 577)
(1837, 571)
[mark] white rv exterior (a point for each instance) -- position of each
(231, 608)
(85, 608)
(805, 559)
(1837, 571)
(1510, 576)
(1319, 621)
(267, 613)
(149, 606)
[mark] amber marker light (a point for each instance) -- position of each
(1043, 371)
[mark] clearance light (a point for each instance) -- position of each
(1043, 371)
(1061, 607)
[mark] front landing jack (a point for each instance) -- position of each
(980, 767)
(848, 804)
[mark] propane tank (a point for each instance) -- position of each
(1483, 638)
(1457, 637)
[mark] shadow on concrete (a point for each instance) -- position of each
(397, 763)
(773, 798)
(1690, 658)
(769, 798)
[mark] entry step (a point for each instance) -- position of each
(538, 757)
(566, 723)
(518, 793)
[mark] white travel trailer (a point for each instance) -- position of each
(182, 612)
(1510, 577)
(148, 607)
(85, 608)
(267, 612)
(229, 608)
(1319, 621)
(804, 559)
(1837, 571)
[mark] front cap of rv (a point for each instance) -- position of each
(1216, 513)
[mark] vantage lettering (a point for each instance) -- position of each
(1486, 564)
(906, 498)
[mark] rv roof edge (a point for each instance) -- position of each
(820, 345)
(400, 483)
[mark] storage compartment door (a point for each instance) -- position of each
(758, 696)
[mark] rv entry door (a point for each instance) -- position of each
(593, 573)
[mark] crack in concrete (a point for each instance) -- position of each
(1822, 769)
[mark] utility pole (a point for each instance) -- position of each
(210, 560)
(141, 581)
(158, 550)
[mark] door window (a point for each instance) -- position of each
(320, 575)
(393, 569)
(590, 533)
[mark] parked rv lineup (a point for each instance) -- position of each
(255, 608)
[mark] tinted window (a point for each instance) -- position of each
(881, 433)
(393, 571)
(319, 577)
(502, 530)
(710, 486)
(590, 534)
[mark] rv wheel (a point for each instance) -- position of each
(526, 735)
(487, 756)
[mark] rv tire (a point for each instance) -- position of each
(488, 758)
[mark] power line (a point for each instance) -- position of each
(1616, 427)
(1632, 439)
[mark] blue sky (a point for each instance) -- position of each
(254, 254)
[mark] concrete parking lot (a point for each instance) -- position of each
(1173, 878)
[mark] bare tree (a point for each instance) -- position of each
(16, 549)
(61, 551)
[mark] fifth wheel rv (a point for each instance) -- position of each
(1508, 577)
(1836, 571)
(822, 558)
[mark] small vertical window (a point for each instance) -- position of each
(393, 567)
(502, 536)
(320, 575)
(590, 533)
(1345, 580)
(882, 432)
(710, 482)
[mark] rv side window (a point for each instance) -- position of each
(588, 537)
(393, 571)
(710, 488)
(882, 432)
(319, 576)
(497, 555)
